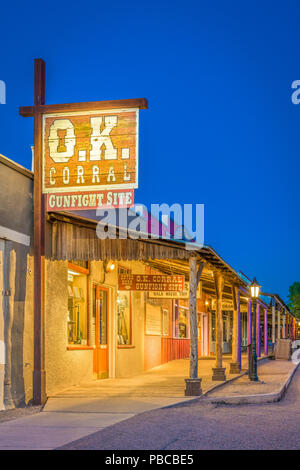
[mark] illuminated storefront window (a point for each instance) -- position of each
(213, 326)
(165, 322)
(77, 307)
(124, 318)
(183, 322)
(199, 325)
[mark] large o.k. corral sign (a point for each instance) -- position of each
(90, 158)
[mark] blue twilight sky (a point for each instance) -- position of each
(220, 129)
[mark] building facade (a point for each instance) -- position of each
(92, 329)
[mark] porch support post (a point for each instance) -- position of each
(249, 324)
(273, 322)
(258, 329)
(283, 324)
(266, 331)
(39, 373)
(193, 384)
(278, 326)
(219, 370)
(239, 330)
(235, 365)
(294, 329)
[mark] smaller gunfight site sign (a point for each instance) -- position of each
(151, 282)
(90, 158)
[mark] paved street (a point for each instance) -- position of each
(195, 426)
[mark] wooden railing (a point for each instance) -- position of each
(174, 348)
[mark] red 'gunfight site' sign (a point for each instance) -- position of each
(90, 200)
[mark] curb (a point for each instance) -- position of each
(252, 399)
(203, 398)
(232, 379)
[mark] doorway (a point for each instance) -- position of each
(100, 313)
(205, 334)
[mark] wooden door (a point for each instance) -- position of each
(101, 353)
(205, 335)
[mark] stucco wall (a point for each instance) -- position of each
(28, 331)
(63, 368)
(17, 204)
(22, 327)
(17, 280)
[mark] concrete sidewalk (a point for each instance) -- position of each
(166, 380)
(90, 407)
(274, 378)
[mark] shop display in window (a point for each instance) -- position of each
(165, 322)
(77, 311)
(124, 318)
(183, 322)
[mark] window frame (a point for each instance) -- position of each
(164, 309)
(87, 346)
(130, 345)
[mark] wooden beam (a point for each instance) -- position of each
(235, 326)
(39, 379)
(194, 280)
(199, 272)
(219, 283)
(29, 111)
(39, 83)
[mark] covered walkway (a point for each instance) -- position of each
(165, 381)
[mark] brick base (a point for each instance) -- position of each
(234, 368)
(219, 374)
(193, 388)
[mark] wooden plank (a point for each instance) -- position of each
(193, 318)
(39, 83)
(235, 325)
(219, 283)
(27, 111)
(39, 386)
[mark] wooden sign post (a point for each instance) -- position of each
(39, 375)
(99, 140)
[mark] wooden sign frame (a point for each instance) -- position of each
(100, 186)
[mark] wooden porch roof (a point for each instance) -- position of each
(74, 237)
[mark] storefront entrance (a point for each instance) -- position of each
(100, 320)
(203, 334)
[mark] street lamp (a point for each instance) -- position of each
(254, 290)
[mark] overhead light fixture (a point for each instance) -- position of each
(109, 266)
(74, 273)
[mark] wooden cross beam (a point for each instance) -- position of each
(29, 111)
